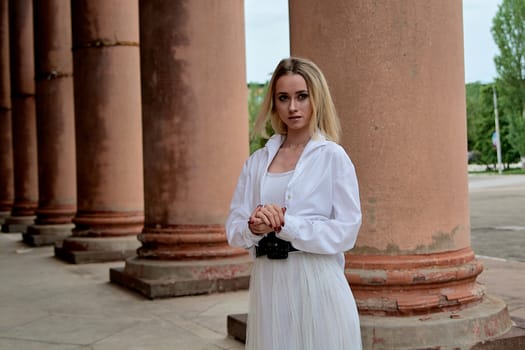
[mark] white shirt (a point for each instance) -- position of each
(323, 213)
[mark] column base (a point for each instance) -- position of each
(486, 326)
(85, 250)
(513, 339)
(162, 279)
(409, 285)
(40, 235)
(17, 224)
(3, 216)
(460, 329)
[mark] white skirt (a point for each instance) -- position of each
(301, 303)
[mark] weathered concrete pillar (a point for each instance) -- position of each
(23, 116)
(7, 191)
(108, 132)
(195, 142)
(55, 123)
(396, 72)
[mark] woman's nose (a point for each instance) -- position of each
(293, 105)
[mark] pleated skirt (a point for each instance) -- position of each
(301, 303)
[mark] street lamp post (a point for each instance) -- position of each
(497, 138)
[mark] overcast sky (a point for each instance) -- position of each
(267, 38)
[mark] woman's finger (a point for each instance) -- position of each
(270, 214)
(277, 215)
(280, 215)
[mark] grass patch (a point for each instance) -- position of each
(511, 171)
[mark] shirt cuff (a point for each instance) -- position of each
(290, 229)
(250, 237)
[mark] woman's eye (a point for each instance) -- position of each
(282, 98)
(302, 97)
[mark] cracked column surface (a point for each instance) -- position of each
(396, 72)
(23, 117)
(110, 200)
(55, 124)
(195, 142)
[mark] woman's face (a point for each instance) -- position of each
(292, 102)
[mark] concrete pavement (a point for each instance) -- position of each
(50, 305)
(47, 304)
(497, 215)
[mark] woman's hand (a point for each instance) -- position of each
(267, 218)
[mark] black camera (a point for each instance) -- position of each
(273, 247)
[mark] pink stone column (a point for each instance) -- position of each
(55, 123)
(7, 193)
(195, 142)
(108, 132)
(395, 68)
(23, 116)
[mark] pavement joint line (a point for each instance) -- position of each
(40, 341)
(193, 326)
(491, 258)
(500, 228)
(121, 331)
(23, 250)
(510, 228)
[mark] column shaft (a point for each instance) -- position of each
(23, 116)
(396, 72)
(55, 123)
(108, 132)
(7, 193)
(195, 142)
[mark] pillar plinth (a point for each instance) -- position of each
(186, 242)
(414, 284)
(107, 224)
(461, 329)
(110, 200)
(23, 117)
(195, 141)
(173, 278)
(101, 236)
(6, 141)
(395, 69)
(55, 124)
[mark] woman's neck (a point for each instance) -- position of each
(296, 140)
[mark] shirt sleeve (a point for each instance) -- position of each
(237, 231)
(334, 234)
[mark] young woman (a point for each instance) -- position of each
(296, 207)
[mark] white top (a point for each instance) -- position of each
(275, 187)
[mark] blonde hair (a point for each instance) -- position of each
(324, 116)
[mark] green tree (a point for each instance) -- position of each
(508, 31)
(516, 135)
(480, 119)
(255, 97)
(473, 91)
